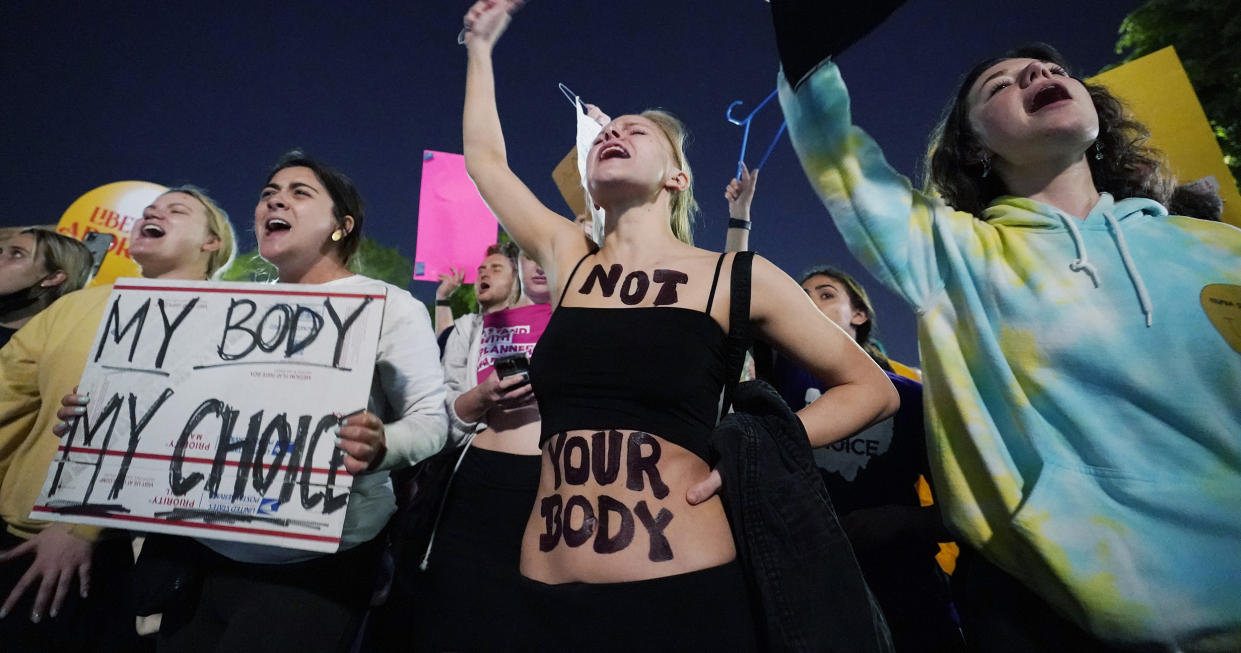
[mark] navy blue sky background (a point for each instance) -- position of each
(212, 93)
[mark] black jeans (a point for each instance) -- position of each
(799, 563)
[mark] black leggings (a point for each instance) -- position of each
(706, 610)
(473, 577)
(303, 607)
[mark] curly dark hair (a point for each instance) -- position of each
(954, 162)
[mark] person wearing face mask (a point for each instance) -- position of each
(64, 588)
(628, 546)
(1080, 366)
(37, 267)
(471, 556)
(309, 221)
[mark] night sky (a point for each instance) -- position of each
(212, 93)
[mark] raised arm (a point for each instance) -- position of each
(858, 394)
(904, 237)
(534, 227)
(449, 283)
(739, 193)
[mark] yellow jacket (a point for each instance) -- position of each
(42, 363)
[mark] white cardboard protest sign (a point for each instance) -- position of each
(212, 410)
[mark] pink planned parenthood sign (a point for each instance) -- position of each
(454, 224)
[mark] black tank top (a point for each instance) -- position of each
(660, 370)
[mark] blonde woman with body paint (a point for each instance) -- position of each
(626, 529)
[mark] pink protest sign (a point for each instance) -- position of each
(511, 331)
(454, 225)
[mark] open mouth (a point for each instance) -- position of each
(483, 286)
(151, 230)
(613, 151)
(1049, 95)
(272, 225)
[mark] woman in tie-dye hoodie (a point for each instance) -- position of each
(1081, 347)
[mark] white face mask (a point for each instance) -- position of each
(587, 130)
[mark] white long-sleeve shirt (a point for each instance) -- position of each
(460, 363)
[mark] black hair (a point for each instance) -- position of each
(860, 301)
(346, 201)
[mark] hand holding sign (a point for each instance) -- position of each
(361, 436)
(72, 407)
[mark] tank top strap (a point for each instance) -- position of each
(568, 281)
(715, 282)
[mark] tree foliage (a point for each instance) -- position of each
(1207, 38)
(372, 260)
(384, 263)
(249, 267)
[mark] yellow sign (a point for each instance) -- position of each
(1160, 96)
(1222, 303)
(110, 209)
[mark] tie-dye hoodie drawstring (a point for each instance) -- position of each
(1080, 264)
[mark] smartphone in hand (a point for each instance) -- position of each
(513, 365)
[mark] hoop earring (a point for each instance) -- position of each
(338, 235)
(1098, 150)
(986, 166)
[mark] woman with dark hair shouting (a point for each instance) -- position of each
(1080, 366)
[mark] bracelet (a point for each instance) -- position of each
(734, 223)
(443, 302)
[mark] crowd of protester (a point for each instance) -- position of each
(578, 464)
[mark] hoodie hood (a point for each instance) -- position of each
(1024, 212)
(1108, 214)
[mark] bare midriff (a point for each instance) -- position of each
(513, 430)
(611, 507)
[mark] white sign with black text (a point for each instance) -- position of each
(212, 410)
